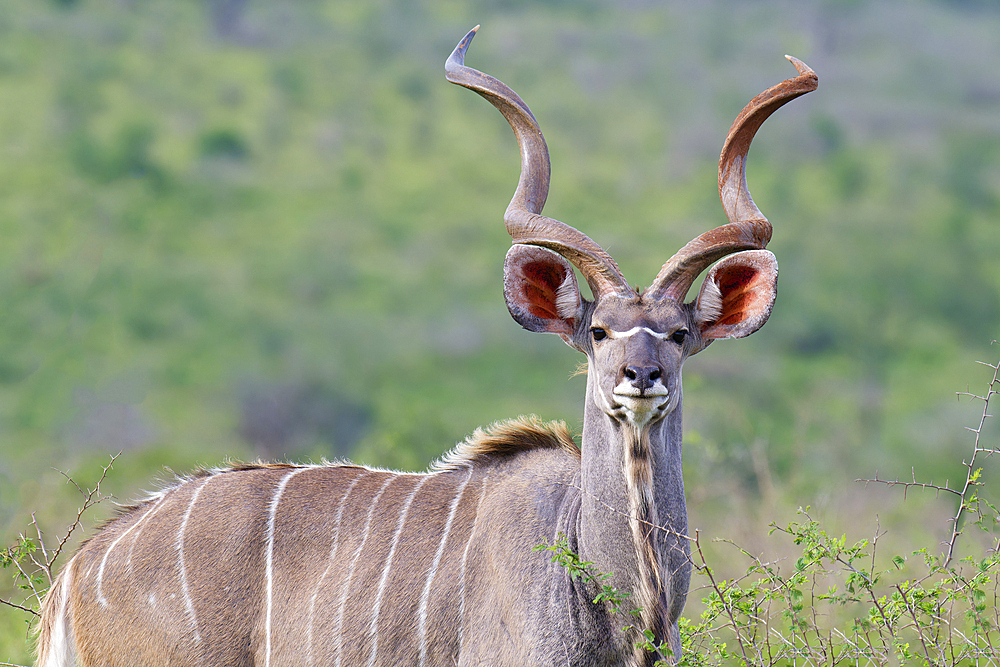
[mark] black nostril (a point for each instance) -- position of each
(642, 377)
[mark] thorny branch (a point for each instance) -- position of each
(916, 621)
(20, 607)
(88, 502)
(968, 500)
(707, 571)
(972, 476)
(40, 556)
(946, 488)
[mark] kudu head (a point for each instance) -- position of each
(635, 341)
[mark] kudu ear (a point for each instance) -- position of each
(541, 290)
(737, 296)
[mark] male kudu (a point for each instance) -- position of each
(345, 565)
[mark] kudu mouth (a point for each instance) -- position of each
(642, 405)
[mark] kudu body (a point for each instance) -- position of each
(344, 565)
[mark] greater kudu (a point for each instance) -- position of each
(345, 565)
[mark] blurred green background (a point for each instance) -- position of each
(233, 229)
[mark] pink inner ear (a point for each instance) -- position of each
(746, 290)
(537, 284)
(541, 282)
(740, 299)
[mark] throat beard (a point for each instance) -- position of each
(649, 595)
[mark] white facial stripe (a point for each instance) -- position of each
(634, 330)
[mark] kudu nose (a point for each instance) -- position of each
(642, 377)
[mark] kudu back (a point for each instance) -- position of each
(345, 565)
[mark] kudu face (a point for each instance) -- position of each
(637, 350)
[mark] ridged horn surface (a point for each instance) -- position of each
(747, 229)
(523, 218)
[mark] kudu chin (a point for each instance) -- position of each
(345, 565)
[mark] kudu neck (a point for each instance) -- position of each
(633, 515)
(605, 451)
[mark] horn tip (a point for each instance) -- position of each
(800, 67)
(457, 57)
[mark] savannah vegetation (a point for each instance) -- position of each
(248, 228)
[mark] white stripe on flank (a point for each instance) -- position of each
(425, 598)
(346, 587)
(182, 568)
(135, 538)
(634, 330)
(103, 601)
(59, 652)
(465, 558)
(373, 629)
(268, 571)
(333, 554)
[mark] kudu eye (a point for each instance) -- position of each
(598, 333)
(679, 336)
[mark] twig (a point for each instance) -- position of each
(88, 502)
(27, 577)
(41, 547)
(707, 571)
(916, 622)
(45, 561)
(972, 474)
(17, 606)
(911, 484)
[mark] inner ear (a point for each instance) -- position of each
(737, 296)
(541, 290)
